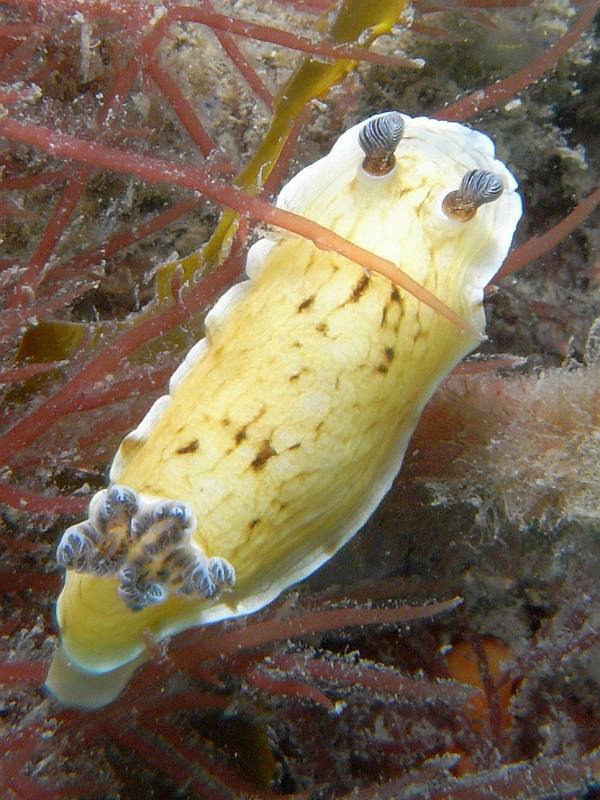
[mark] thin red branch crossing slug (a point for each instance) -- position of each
(287, 424)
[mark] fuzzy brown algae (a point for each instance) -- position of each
(287, 424)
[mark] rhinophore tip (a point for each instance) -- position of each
(479, 186)
(379, 139)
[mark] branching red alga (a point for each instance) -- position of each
(119, 142)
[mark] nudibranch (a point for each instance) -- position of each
(287, 424)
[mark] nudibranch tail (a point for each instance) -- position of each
(286, 426)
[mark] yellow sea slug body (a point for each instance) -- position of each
(285, 427)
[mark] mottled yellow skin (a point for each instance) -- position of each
(286, 433)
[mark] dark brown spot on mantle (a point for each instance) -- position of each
(306, 303)
(264, 454)
(190, 447)
(360, 288)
